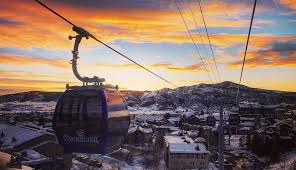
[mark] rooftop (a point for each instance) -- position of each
(133, 129)
(184, 144)
(21, 134)
(178, 140)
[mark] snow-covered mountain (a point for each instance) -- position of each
(196, 96)
(209, 95)
(34, 96)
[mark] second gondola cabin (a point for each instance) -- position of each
(91, 119)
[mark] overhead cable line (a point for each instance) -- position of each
(197, 51)
(200, 36)
(246, 49)
(208, 38)
(92, 36)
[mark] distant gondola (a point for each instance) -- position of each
(211, 121)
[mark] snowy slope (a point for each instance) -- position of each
(209, 95)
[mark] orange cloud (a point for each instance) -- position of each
(229, 9)
(162, 66)
(19, 60)
(289, 3)
(31, 75)
(256, 40)
(26, 82)
(45, 30)
(20, 85)
(267, 58)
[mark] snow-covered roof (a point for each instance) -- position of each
(34, 155)
(20, 133)
(248, 124)
(132, 129)
(184, 144)
(135, 128)
(247, 119)
(174, 119)
(189, 113)
(202, 148)
(178, 132)
(146, 130)
(178, 139)
(192, 133)
(255, 105)
(183, 148)
(187, 148)
(248, 104)
(171, 128)
(245, 128)
(200, 140)
(285, 122)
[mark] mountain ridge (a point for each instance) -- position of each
(200, 96)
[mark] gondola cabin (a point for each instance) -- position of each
(91, 120)
(211, 121)
(234, 119)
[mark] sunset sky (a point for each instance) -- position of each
(35, 50)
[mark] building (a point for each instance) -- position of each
(138, 135)
(256, 110)
(15, 138)
(279, 113)
(286, 106)
(280, 136)
(211, 134)
(161, 131)
(290, 115)
(194, 120)
(34, 146)
(182, 152)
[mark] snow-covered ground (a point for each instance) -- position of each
(27, 107)
(144, 114)
(148, 111)
(288, 162)
(108, 163)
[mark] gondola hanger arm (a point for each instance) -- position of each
(81, 33)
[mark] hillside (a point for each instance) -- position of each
(34, 96)
(39, 96)
(210, 95)
(202, 95)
